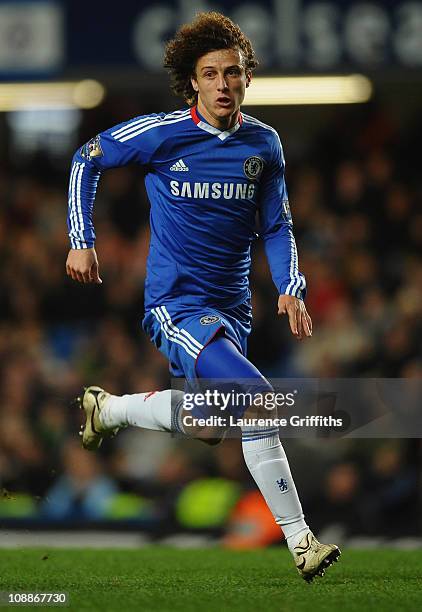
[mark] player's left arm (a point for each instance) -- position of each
(276, 228)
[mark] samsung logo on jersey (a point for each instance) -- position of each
(228, 191)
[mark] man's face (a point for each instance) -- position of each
(220, 80)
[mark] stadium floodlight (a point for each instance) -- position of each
(51, 96)
(269, 91)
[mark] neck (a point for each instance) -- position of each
(221, 123)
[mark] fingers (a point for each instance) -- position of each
(308, 323)
(77, 276)
(294, 318)
(299, 320)
(74, 275)
(95, 274)
(292, 310)
(299, 326)
(305, 329)
(85, 277)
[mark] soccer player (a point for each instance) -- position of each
(209, 170)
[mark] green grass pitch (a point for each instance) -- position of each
(164, 579)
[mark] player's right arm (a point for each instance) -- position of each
(130, 142)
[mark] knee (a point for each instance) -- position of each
(212, 438)
(211, 434)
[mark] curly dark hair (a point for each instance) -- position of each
(208, 32)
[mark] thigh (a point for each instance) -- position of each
(221, 359)
(221, 367)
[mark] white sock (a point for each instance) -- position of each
(268, 464)
(157, 410)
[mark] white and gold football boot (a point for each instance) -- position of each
(93, 432)
(312, 558)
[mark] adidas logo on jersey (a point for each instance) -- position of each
(179, 166)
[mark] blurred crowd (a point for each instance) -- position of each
(355, 193)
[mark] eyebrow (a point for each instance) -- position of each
(227, 68)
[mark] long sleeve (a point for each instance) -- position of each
(83, 182)
(276, 228)
(120, 145)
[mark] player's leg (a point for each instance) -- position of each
(106, 413)
(262, 449)
(265, 457)
(180, 338)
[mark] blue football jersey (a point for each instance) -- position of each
(205, 187)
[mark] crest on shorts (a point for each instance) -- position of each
(209, 319)
(253, 167)
(92, 148)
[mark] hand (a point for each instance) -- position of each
(82, 266)
(300, 321)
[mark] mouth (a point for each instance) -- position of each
(224, 101)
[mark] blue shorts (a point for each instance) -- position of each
(181, 336)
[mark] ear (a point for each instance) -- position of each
(194, 83)
(248, 78)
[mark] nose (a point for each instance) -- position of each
(221, 83)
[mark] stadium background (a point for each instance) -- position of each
(353, 173)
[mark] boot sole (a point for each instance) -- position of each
(331, 558)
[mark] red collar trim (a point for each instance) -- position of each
(196, 119)
(194, 115)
